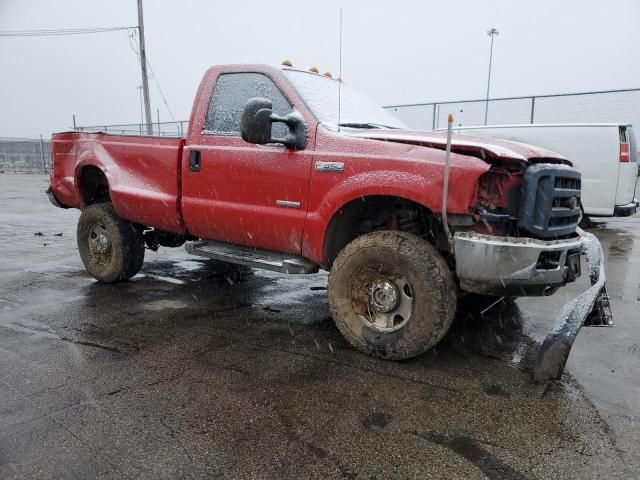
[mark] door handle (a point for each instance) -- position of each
(194, 160)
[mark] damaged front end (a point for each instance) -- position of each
(526, 243)
(590, 309)
(517, 266)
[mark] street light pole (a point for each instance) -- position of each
(143, 67)
(492, 33)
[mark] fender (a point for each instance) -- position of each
(423, 189)
(93, 155)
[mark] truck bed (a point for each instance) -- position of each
(143, 174)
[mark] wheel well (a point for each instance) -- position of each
(372, 213)
(93, 186)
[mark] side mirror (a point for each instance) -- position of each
(257, 119)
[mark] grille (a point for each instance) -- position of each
(566, 182)
(550, 201)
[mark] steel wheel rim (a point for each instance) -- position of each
(100, 244)
(382, 297)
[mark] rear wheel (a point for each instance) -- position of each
(111, 248)
(391, 294)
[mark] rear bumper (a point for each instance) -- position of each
(515, 266)
(626, 210)
(53, 199)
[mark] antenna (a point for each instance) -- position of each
(340, 70)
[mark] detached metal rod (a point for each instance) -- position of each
(445, 190)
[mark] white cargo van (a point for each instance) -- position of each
(605, 153)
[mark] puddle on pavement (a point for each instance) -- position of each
(161, 305)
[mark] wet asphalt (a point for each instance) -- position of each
(184, 372)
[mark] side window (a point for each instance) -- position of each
(230, 94)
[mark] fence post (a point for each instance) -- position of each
(44, 166)
(27, 156)
(533, 107)
(433, 122)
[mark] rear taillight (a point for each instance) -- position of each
(624, 152)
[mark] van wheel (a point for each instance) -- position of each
(111, 248)
(391, 294)
(584, 221)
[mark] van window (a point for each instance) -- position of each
(229, 96)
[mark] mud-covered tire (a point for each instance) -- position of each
(403, 259)
(117, 258)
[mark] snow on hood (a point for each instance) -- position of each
(485, 148)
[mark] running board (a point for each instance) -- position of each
(251, 257)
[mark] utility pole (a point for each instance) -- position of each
(492, 33)
(143, 67)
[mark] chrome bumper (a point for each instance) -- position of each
(590, 309)
(514, 266)
(510, 261)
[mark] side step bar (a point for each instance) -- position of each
(251, 257)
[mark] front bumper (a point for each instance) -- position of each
(502, 265)
(591, 309)
(626, 210)
(515, 266)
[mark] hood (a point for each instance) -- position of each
(488, 149)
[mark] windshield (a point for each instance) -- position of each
(320, 93)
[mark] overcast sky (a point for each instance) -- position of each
(397, 51)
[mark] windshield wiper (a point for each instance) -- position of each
(365, 125)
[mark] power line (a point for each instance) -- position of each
(85, 31)
(60, 31)
(155, 79)
(133, 43)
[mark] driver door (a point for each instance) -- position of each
(241, 193)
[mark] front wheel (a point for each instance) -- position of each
(111, 248)
(392, 294)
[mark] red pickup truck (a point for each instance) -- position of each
(287, 170)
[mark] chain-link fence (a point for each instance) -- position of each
(609, 106)
(615, 106)
(24, 155)
(163, 129)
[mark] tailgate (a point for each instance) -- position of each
(627, 170)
